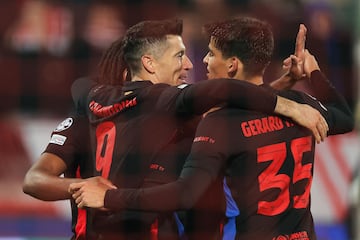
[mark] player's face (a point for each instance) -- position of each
(217, 65)
(173, 66)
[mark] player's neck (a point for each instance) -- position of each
(257, 80)
(142, 77)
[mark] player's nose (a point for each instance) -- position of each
(187, 64)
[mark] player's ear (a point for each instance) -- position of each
(233, 66)
(148, 63)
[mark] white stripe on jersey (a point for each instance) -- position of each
(321, 105)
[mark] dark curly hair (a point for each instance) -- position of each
(249, 39)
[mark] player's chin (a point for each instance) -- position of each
(208, 76)
(212, 76)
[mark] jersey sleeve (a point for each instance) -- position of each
(200, 97)
(69, 140)
(199, 172)
(328, 101)
(340, 116)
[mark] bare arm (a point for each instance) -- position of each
(43, 180)
(284, 82)
(304, 115)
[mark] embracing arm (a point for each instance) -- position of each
(200, 97)
(67, 147)
(178, 195)
(181, 194)
(43, 181)
(202, 168)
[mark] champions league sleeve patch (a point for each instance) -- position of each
(64, 125)
(58, 139)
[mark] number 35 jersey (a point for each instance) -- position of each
(268, 165)
(267, 162)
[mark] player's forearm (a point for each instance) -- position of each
(47, 188)
(178, 195)
(340, 116)
(323, 90)
(286, 107)
(327, 94)
(145, 199)
(283, 83)
(340, 121)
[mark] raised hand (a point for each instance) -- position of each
(294, 63)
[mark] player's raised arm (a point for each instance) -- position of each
(339, 116)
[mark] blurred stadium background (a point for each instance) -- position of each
(46, 45)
